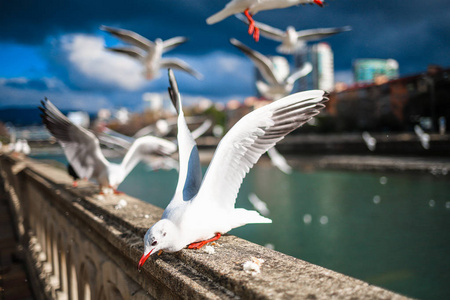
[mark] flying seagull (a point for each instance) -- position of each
(251, 7)
(274, 87)
(162, 127)
(82, 149)
(150, 53)
(155, 162)
(292, 39)
(201, 212)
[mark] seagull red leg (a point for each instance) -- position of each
(256, 34)
(251, 22)
(198, 245)
(319, 2)
(252, 29)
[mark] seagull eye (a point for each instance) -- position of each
(154, 243)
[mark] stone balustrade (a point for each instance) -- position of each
(79, 246)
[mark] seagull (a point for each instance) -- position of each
(275, 87)
(423, 137)
(122, 144)
(112, 138)
(162, 127)
(21, 146)
(150, 53)
(251, 7)
(82, 149)
(258, 204)
(292, 39)
(279, 161)
(201, 211)
(370, 141)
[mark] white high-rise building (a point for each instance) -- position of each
(323, 66)
(321, 57)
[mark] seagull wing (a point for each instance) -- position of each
(201, 129)
(172, 63)
(142, 148)
(130, 51)
(190, 172)
(305, 70)
(232, 7)
(320, 33)
(111, 137)
(173, 42)
(81, 147)
(149, 129)
(129, 37)
(262, 62)
(252, 136)
(265, 30)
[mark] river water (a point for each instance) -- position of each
(389, 229)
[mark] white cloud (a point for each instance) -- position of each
(83, 63)
(86, 64)
(90, 78)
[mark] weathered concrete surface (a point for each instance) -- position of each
(13, 278)
(80, 246)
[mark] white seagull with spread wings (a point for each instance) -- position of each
(155, 162)
(82, 149)
(292, 39)
(274, 87)
(150, 53)
(201, 212)
(251, 7)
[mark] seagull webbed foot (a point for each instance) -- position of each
(198, 245)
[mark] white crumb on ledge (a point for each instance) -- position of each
(122, 203)
(209, 249)
(254, 266)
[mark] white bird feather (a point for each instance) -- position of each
(201, 210)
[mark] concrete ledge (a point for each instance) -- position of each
(75, 236)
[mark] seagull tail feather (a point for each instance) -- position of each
(242, 216)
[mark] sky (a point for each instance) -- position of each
(55, 49)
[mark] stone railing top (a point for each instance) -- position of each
(192, 274)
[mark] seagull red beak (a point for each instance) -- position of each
(144, 259)
(319, 2)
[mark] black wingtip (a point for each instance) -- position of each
(173, 89)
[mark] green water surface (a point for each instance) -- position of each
(389, 229)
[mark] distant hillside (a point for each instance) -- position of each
(24, 116)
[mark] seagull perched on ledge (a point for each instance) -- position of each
(292, 39)
(82, 149)
(150, 53)
(251, 7)
(200, 212)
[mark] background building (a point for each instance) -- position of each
(373, 70)
(321, 57)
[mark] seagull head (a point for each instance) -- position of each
(160, 236)
(319, 2)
